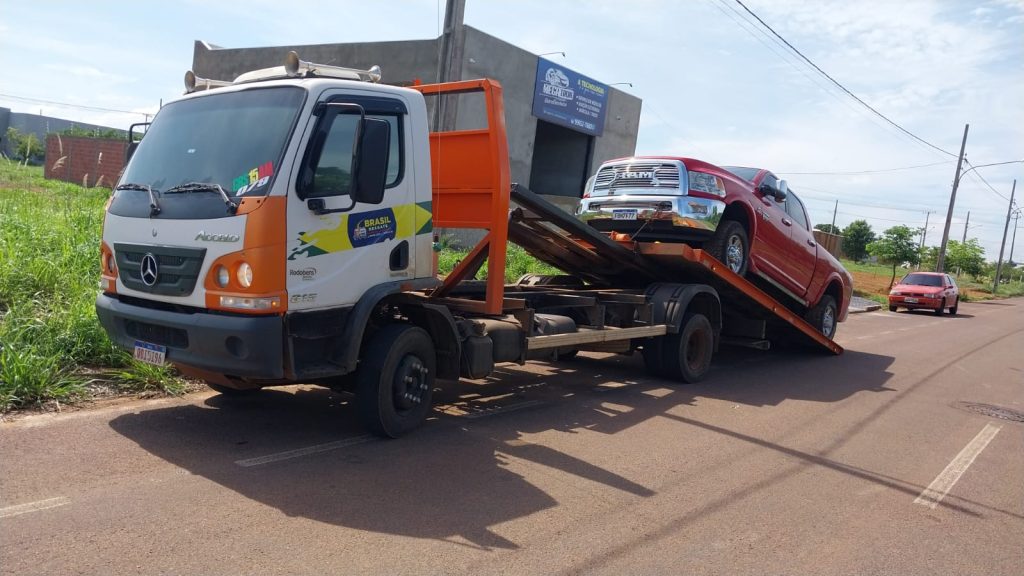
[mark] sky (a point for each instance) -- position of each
(715, 84)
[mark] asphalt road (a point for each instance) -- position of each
(782, 462)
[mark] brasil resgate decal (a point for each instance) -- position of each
(361, 229)
(371, 227)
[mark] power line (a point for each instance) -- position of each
(843, 88)
(990, 187)
(69, 105)
(857, 172)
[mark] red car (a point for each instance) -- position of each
(745, 217)
(925, 290)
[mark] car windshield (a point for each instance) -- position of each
(747, 174)
(234, 139)
(922, 280)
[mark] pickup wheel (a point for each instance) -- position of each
(687, 355)
(823, 316)
(731, 246)
(395, 380)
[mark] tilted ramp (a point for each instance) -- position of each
(557, 238)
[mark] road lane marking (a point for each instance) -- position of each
(33, 506)
(300, 452)
(945, 481)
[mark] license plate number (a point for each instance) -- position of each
(910, 300)
(150, 353)
(623, 214)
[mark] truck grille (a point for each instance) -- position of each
(637, 175)
(177, 268)
(163, 335)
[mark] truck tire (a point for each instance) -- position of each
(823, 316)
(731, 246)
(686, 356)
(395, 380)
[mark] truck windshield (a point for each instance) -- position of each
(234, 139)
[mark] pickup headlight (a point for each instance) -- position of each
(706, 183)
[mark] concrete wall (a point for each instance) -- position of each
(38, 125)
(85, 161)
(400, 62)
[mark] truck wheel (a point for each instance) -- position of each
(687, 355)
(953, 308)
(395, 380)
(823, 316)
(731, 246)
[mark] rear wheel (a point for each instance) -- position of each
(823, 316)
(686, 356)
(953, 308)
(731, 246)
(395, 380)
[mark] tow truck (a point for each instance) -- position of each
(281, 228)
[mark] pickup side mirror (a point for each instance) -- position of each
(782, 191)
(372, 161)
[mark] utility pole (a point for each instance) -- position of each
(834, 212)
(924, 233)
(452, 47)
(1016, 216)
(968, 221)
(941, 260)
(999, 263)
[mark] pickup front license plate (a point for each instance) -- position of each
(910, 300)
(623, 214)
(150, 353)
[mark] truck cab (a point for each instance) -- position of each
(252, 210)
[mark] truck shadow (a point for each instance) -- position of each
(455, 479)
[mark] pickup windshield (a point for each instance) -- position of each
(234, 140)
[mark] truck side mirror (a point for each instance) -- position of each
(132, 142)
(372, 169)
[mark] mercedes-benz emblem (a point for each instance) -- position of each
(149, 270)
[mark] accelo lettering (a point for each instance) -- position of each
(204, 237)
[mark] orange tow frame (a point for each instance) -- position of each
(471, 187)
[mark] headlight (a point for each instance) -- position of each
(244, 274)
(895, 293)
(706, 183)
(223, 276)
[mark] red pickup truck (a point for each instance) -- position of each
(746, 217)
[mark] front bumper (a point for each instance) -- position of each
(688, 213)
(242, 346)
(917, 303)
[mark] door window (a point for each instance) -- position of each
(334, 170)
(795, 209)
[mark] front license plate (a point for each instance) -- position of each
(623, 214)
(910, 300)
(150, 353)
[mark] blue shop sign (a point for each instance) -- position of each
(568, 99)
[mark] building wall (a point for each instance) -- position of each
(85, 161)
(37, 124)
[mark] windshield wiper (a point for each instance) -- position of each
(154, 207)
(205, 187)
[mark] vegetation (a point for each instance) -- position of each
(896, 246)
(856, 237)
(517, 262)
(52, 348)
(78, 131)
(25, 147)
(966, 257)
(829, 228)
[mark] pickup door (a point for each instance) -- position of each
(803, 255)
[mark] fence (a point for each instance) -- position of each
(831, 242)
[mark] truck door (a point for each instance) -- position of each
(335, 257)
(804, 249)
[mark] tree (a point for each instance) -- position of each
(23, 146)
(965, 256)
(896, 246)
(856, 238)
(829, 229)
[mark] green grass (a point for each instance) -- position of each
(517, 263)
(52, 344)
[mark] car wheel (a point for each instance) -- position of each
(953, 308)
(942, 305)
(823, 316)
(395, 380)
(892, 308)
(731, 246)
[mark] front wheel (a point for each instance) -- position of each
(731, 246)
(823, 316)
(942, 305)
(395, 380)
(953, 308)
(892, 308)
